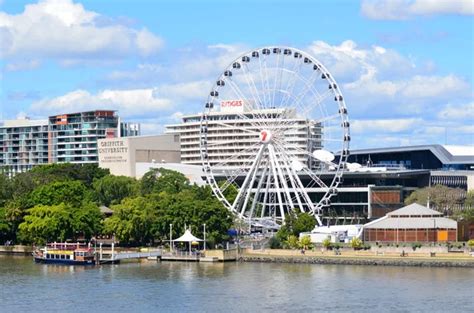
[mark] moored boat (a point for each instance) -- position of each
(65, 253)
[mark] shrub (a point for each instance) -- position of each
(327, 243)
(356, 243)
(275, 243)
(470, 243)
(305, 242)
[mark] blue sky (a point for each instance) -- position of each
(405, 66)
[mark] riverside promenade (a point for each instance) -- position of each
(350, 257)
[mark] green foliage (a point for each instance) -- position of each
(293, 242)
(112, 189)
(469, 201)
(86, 220)
(5, 189)
(356, 243)
(296, 223)
(327, 243)
(275, 243)
(416, 245)
(163, 180)
(5, 225)
(46, 223)
(69, 192)
(132, 220)
(56, 202)
(230, 192)
(305, 241)
(441, 198)
(303, 223)
(470, 243)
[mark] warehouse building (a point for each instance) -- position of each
(412, 223)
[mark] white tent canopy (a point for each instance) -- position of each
(188, 237)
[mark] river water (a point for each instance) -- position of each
(151, 286)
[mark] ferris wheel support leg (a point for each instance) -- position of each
(246, 181)
(277, 186)
(252, 182)
(265, 196)
(277, 162)
(257, 192)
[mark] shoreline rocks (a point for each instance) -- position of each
(351, 261)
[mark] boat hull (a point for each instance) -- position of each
(63, 262)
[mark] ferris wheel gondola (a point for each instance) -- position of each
(269, 129)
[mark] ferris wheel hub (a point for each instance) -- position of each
(265, 136)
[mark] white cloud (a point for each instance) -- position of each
(404, 9)
(458, 112)
(61, 29)
(129, 103)
(377, 80)
(384, 125)
(22, 66)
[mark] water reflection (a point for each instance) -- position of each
(151, 286)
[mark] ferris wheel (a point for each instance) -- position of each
(268, 133)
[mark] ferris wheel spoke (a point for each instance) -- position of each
(292, 82)
(277, 187)
(257, 192)
(236, 155)
(299, 187)
(276, 74)
(243, 189)
(238, 92)
(253, 88)
(279, 174)
(266, 82)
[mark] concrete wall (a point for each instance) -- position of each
(120, 155)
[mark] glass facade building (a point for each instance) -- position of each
(61, 138)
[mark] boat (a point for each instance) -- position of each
(65, 253)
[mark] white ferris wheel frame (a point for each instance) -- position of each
(270, 160)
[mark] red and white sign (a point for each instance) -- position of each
(232, 105)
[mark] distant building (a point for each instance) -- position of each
(235, 128)
(133, 156)
(412, 223)
(61, 138)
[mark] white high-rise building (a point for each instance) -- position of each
(234, 130)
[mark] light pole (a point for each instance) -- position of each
(204, 236)
(171, 237)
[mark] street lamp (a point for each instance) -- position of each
(204, 236)
(171, 237)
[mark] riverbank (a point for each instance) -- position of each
(355, 258)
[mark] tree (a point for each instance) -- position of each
(112, 189)
(305, 241)
(469, 201)
(86, 220)
(71, 192)
(296, 223)
(441, 198)
(159, 179)
(132, 221)
(45, 223)
(5, 189)
(5, 225)
(303, 223)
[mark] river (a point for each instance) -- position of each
(152, 286)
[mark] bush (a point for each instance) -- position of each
(305, 242)
(415, 245)
(275, 243)
(470, 243)
(356, 243)
(327, 243)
